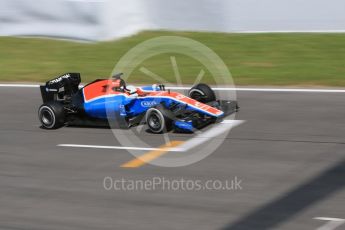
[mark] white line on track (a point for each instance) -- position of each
(201, 138)
(107, 147)
(19, 85)
(271, 90)
(288, 90)
(216, 130)
(332, 223)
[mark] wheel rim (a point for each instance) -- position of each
(47, 118)
(154, 122)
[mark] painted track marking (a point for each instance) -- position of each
(173, 146)
(332, 223)
(150, 156)
(19, 85)
(203, 137)
(108, 147)
(185, 146)
(181, 146)
(288, 90)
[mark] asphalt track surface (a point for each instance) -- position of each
(290, 156)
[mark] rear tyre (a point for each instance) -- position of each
(158, 120)
(51, 115)
(202, 93)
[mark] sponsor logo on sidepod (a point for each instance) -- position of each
(148, 103)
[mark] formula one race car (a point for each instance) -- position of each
(106, 101)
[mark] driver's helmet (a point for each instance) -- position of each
(132, 90)
(118, 85)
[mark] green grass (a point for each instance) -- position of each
(253, 59)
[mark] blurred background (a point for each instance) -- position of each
(109, 19)
(266, 42)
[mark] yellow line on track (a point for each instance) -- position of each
(150, 156)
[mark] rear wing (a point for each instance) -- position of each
(60, 88)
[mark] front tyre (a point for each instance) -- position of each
(51, 115)
(202, 93)
(157, 120)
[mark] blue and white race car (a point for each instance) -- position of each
(105, 101)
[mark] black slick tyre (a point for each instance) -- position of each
(51, 115)
(202, 93)
(158, 120)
